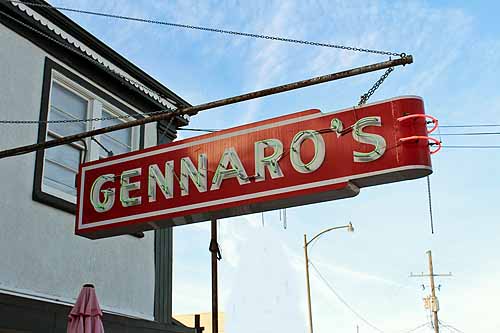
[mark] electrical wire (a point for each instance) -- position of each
(451, 327)
(33, 122)
(210, 130)
(447, 329)
(415, 328)
(470, 133)
(205, 29)
(469, 126)
(471, 147)
(329, 286)
(156, 93)
(134, 82)
(209, 29)
(198, 130)
(439, 134)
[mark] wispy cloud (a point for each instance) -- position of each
(337, 270)
(358, 275)
(259, 280)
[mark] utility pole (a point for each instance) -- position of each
(432, 301)
(433, 294)
(357, 328)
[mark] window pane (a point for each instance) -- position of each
(61, 167)
(64, 128)
(67, 156)
(65, 100)
(123, 136)
(66, 105)
(59, 178)
(110, 144)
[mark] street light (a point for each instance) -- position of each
(349, 228)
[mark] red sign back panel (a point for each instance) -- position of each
(339, 153)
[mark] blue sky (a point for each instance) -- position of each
(455, 45)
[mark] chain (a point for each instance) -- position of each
(221, 31)
(363, 100)
(132, 115)
(365, 97)
(79, 53)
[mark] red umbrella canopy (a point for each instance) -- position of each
(86, 315)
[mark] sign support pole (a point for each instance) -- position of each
(215, 302)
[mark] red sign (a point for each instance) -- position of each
(298, 159)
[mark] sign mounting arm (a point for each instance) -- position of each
(192, 110)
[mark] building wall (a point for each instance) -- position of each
(40, 255)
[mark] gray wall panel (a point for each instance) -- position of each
(40, 253)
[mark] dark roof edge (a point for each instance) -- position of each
(104, 50)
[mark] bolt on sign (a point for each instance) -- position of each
(288, 161)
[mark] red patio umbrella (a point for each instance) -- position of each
(86, 315)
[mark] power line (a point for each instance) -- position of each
(209, 29)
(447, 329)
(199, 28)
(471, 147)
(471, 133)
(329, 286)
(450, 326)
(198, 130)
(27, 122)
(465, 126)
(416, 328)
(133, 115)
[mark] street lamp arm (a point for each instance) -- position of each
(348, 226)
(306, 243)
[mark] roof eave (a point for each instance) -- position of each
(107, 52)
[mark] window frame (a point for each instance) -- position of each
(66, 84)
(98, 99)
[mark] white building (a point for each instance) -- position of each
(52, 69)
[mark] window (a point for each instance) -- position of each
(69, 102)
(68, 97)
(61, 163)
